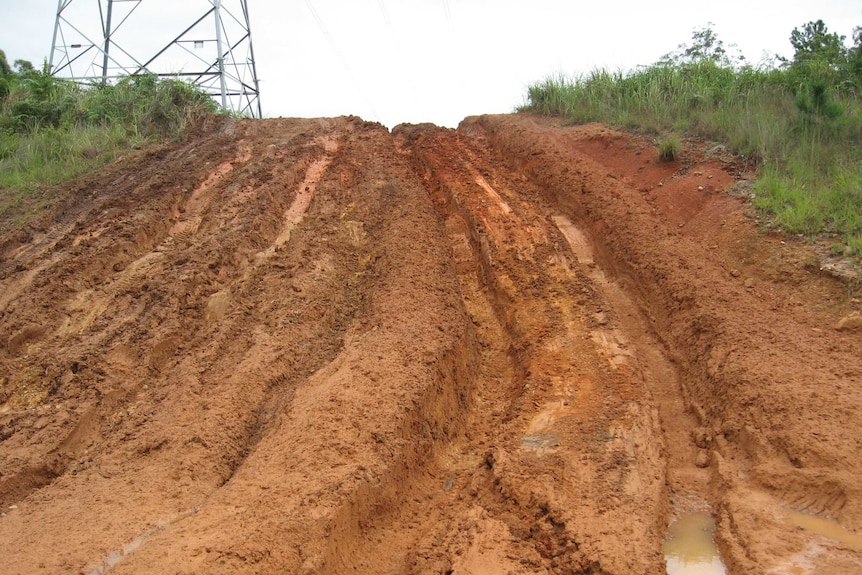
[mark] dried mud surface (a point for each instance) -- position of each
(312, 346)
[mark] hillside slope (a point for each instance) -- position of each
(312, 346)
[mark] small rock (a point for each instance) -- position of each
(702, 460)
(850, 322)
(734, 272)
(701, 437)
(700, 188)
(749, 283)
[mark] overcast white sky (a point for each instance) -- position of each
(438, 61)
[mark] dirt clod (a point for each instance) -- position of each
(850, 322)
(702, 437)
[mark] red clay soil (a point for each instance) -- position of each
(312, 346)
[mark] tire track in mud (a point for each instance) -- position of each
(86, 307)
(11, 286)
(59, 250)
(401, 538)
(725, 343)
(79, 312)
(86, 206)
(262, 381)
(687, 481)
(302, 197)
(262, 359)
(495, 529)
(405, 367)
(81, 309)
(541, 399)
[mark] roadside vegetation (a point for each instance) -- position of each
(52, 129)
(799, 119)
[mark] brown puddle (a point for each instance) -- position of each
(826, 528)
(689, 548)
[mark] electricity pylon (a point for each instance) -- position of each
(207, 42)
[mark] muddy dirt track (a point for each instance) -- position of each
(312, 346)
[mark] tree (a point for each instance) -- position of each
(816, 47)
(854, 57)
(5, 69)
(819, 70)
(24, 66)
(705, 47)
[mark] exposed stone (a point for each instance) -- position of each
(702, 460)
(850, 322)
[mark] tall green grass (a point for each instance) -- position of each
(803, 130)
(51, 129)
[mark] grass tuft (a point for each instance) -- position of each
(668, 149)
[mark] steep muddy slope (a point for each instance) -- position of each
(312, 346)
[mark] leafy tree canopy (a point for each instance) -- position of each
(705, 47)
(814, 44)
(24, 66)
(5, 69)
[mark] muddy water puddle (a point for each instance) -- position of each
(826, 528)
(689, 547)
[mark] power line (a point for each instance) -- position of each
(338, 53)
(385, 13)
(323, 29)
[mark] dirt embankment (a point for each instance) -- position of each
(311, 346)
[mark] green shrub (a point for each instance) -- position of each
(51, 129)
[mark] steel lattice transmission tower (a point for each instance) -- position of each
(207, 42)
